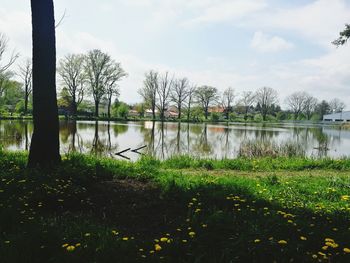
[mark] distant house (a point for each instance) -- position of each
(171, 114)
(133, 113)
(149, 114)
(340, 117)
(216, 109)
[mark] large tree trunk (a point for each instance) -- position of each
(44, 148)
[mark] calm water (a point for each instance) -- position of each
(204, 140)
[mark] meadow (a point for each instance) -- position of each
(283, 209)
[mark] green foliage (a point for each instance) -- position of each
(20, 106)
(258, 118)
(12, 95)
(232, 116)
(120, 109)
(344, 36)
(281, 116)
(215, 116)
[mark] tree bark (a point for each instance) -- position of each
(26, 104)
(44, 148)
(179, 109)
(154, 111)
(97, 103)
(206, 113)
(109, 107)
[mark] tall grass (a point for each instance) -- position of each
(261, 148)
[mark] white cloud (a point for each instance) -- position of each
(265, 43)
(17, 27)
(319, 21)
(220, 11)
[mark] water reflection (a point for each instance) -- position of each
(167, 139)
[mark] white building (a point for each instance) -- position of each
(340, 116)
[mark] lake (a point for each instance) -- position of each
(171, 138)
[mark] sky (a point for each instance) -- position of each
(243, 44)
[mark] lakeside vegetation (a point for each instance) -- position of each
(179, 210)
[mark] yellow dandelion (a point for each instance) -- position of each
(125, 238)
(115, 232)
(346, 250)
(282, 242)
(157, 247)
(65, 245)
(70, 248)
(87, 234)
(164, 239)
(303, 238)
(257, 240)
(191, 234)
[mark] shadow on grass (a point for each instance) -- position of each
(119, 212)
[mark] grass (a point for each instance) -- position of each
(179, 210)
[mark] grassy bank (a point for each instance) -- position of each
(179, 210)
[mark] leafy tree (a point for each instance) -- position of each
(26, 74)
(114, 74)
(344, 36)
(191, 93)
(44, 148)
(247, 100)
(65, 100)
(5, 79)
(163, 90)
(123, 110)
(266, 97)
(71, 71)
(310, 105)
(296, 102)
(149, 90)
(323, 108)
(227, 101)
(179, 93)
(206, 96)
(140, 108)
(336, 105)
(97, 67)
(13, 93)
